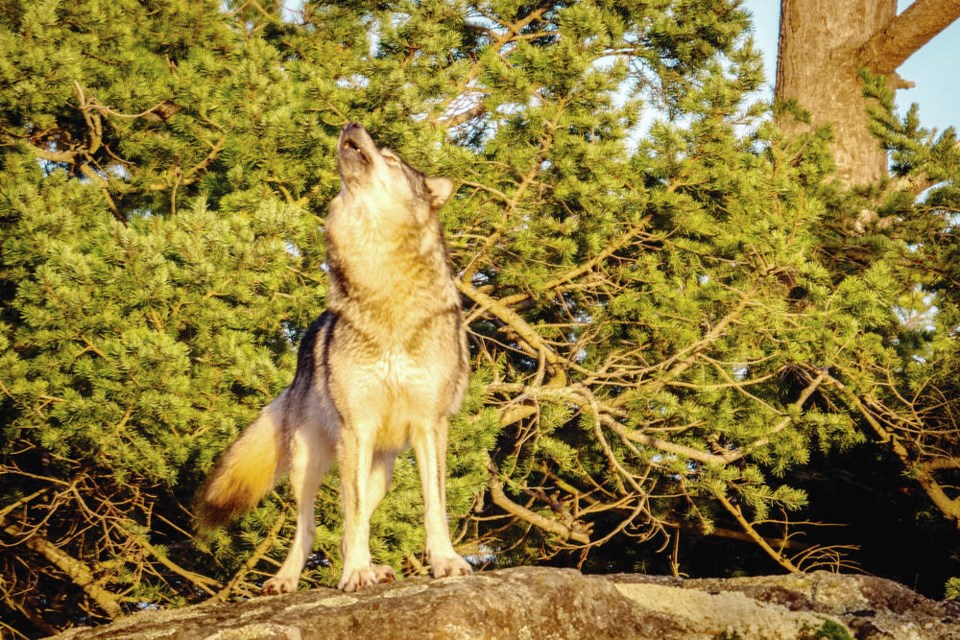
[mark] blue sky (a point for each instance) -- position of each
(935, 69)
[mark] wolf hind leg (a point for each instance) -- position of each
(311, 453)
(365, 477)
(430, 448)
(380, 475)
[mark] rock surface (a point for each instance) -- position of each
(537, 603)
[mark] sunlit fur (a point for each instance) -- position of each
(383, 368)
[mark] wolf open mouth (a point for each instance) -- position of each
(349, 147)
(356, 153)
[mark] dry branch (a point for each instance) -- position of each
(755, 536)
(78, 572)
(869, 410)
(551, 526)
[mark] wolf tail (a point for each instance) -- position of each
(247, 471)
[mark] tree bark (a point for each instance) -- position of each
(817, 66)
(911, 30)
(823, 46)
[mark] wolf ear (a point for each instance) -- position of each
(440, 191)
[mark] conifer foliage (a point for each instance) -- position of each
(669, 305)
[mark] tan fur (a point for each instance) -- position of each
(384, 367)
(245, 473)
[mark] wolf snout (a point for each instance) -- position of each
(355, 151)
(354, 137)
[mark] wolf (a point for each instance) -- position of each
(384, 367)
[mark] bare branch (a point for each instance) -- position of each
(551, 526)
(78, 572)
(890, 47)
(935, 491)
(737, 513)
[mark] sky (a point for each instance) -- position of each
(935, 68)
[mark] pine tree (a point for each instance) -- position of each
(908, 224)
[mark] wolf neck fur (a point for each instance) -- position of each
(391, 271)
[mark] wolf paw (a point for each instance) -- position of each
(449, 566)
(385, 573)
(366, 576)
(279, 584)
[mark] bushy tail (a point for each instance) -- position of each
(246, 471)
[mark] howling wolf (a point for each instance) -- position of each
(384, 367)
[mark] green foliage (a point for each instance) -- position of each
(830, 630)
(952, 589)
(667, 317)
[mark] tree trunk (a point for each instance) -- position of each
(824, 44)
(817, 66)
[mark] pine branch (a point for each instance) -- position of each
(262, 549)
(72, 158)
(665, 445)
(948, 506)
(684, 358)
(605, 412)
(513, 320)
(201, 581)
(753, 534)
(588, 266)
(551, 526)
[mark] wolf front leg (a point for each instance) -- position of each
(310, 456)
(365, 475)
(430, 447)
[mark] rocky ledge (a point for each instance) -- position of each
(537, 603)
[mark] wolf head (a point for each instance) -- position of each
(381, 179)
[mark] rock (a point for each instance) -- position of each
(538, 603)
